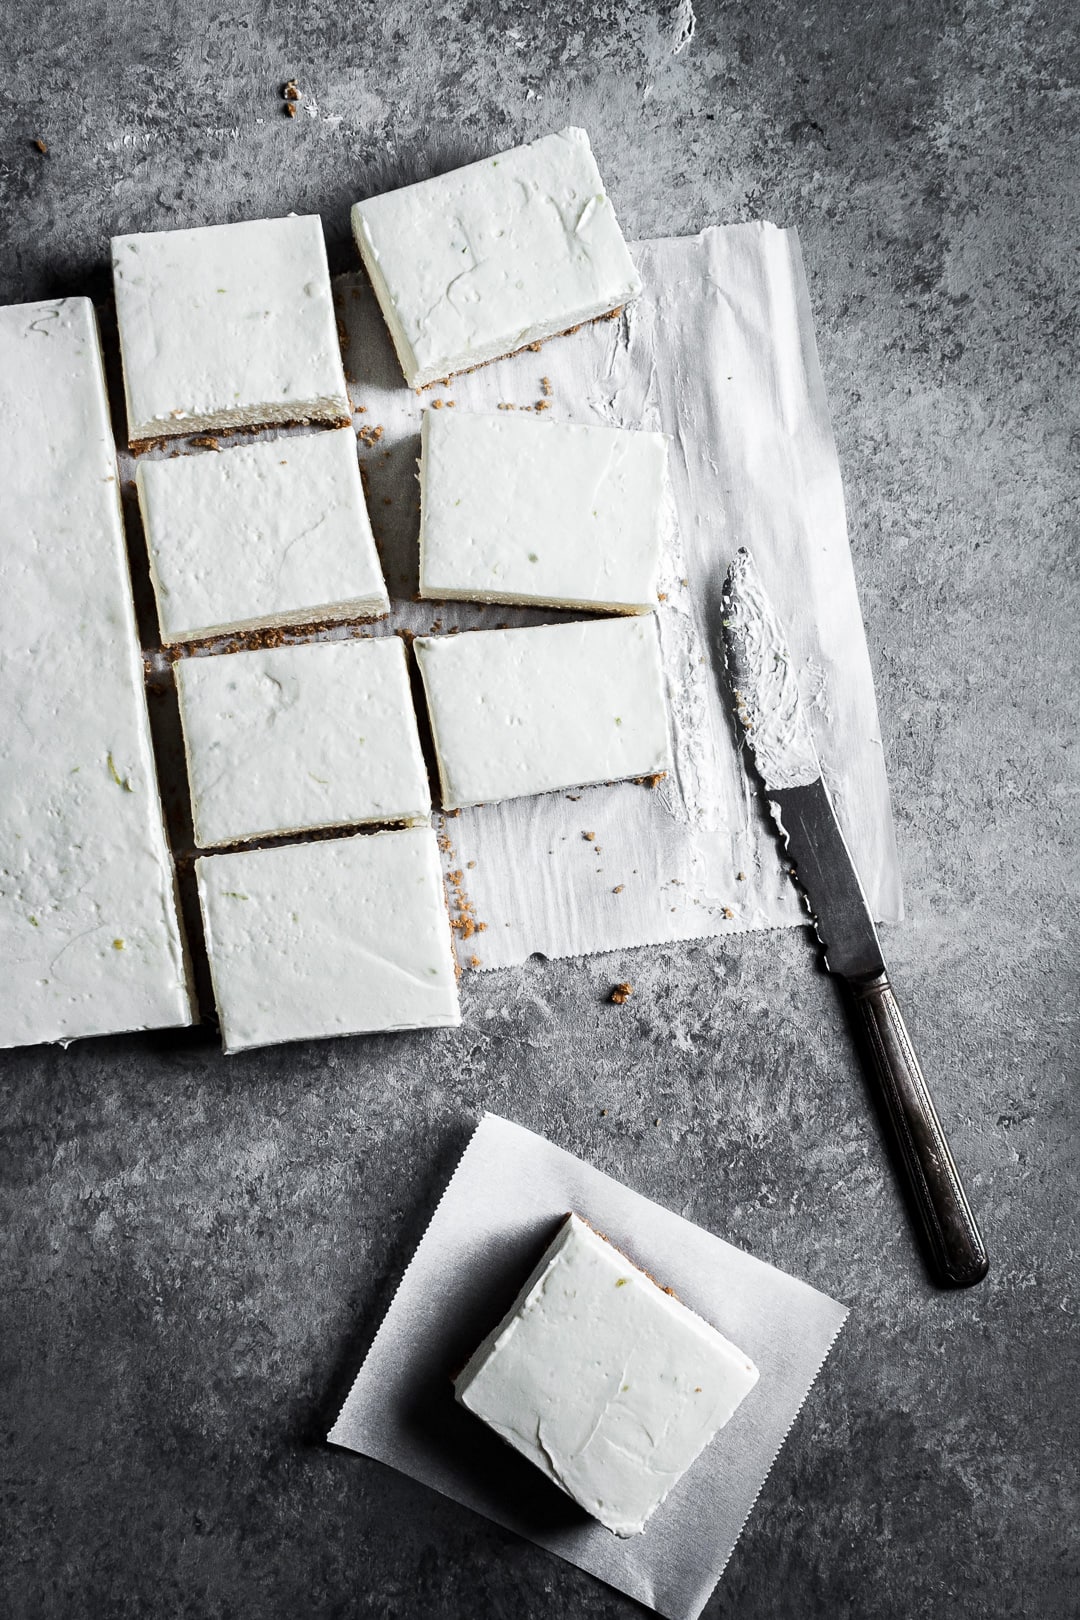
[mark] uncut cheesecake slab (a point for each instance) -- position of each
(474, 264)
(337, 936)
(90, 940)
(604, 1380)
(227, 326)
(275, 533)
(516, 712)
(291, 739)
(518, 509)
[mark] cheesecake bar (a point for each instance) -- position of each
(287, 739)
(275, 533)
(227, 326)
(333, 937)
(556, 706)
(474, 264)
(604, 1380)
(518, 509)
(90, 940)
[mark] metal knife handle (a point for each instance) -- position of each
(955, 1243)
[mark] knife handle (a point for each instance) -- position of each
(953, 1238)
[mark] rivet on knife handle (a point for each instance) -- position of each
(952, 1236)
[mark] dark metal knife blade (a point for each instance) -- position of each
(770, 712)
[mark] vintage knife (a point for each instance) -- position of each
(774, 723)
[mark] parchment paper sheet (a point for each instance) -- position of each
(719, 353)
(500, 1208)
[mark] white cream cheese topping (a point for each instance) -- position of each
(286, 739)
(273, 533)
(227, 326)
(556, 706)
(476, 263)
(517, 509)
(608, 1384)
(89, 935)
(333, 937)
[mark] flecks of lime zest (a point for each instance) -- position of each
(34, 923)
(118, 945)
(622, 1282)
(234, 894)
(121, 781)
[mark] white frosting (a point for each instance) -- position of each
(766, 690)
(89, 935)
(473, 264)
(335, 937)
(274, 533)
(556, 706)
(227, 326)
(609, 1385)
(285, 739)
(518, 509)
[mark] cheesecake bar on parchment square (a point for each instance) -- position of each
(516, 712)
(505, 1202)
(337, 936)
(89, 935)
(518, 509)
(486, 259)
(604, 1380)
(227, 326)
(275, 533)
(289, 739)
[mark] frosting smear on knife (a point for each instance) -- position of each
(767, 699)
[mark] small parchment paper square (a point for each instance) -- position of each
(501, 1207)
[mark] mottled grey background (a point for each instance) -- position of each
(195, 1251)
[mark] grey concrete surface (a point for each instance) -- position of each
(195, 1252)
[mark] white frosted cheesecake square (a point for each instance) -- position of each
(337, 936)
(518, 509)
(556, 706)
(605, 1381)
(275, 533)
(90, 940)
(227, 326)
(289, 739)
(471, 265)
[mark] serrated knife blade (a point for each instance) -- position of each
(774, 724)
